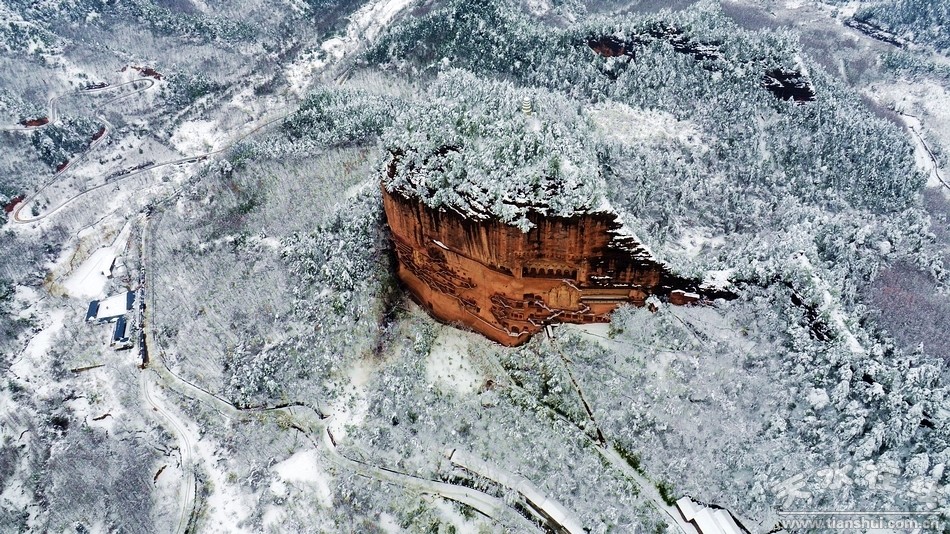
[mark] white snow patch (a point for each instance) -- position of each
(534, 124)
(364, 26)
(29, 297)
(388, 523)
(196, 137)
(448, 365)
(371, 18)
(228, 508)
(303, 468)
(628, 125)
(302, 69)
(717, 279)
(351, 406)
(818, 398)
(90, 278)
(40, 345)
(693, 241)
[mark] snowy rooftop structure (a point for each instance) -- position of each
(708, 520)
(115, 306)
(93, 311)
(119, 332)
(726, 523)
(688, 508)
(120, 336)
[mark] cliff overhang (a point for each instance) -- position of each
(508, 284)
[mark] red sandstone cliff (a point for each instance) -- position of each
(507, 284)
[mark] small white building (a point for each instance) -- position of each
(708, 520)
(688, 509)
(726, 522)
(114, 307)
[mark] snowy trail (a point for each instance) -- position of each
(486, 504)
(51, 110)
(187, 448)
(558, 517)
(924, 154)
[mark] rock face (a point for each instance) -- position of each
(506, 284)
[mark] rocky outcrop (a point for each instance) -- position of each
(508, 284)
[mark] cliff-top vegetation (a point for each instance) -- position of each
(471, 147)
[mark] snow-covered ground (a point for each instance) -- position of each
(40, 345)
(364, 26)
(351, 406)
(303, 468)
(89, 280)
(924, 106)
(626, 125)
(228, 507)
(448, 365)
(198, 137)
(300, 474)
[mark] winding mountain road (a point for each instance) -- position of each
(915, 125)
(51, 109)
(186, 446)
(138, 85)
(17, 214)
(308, 420)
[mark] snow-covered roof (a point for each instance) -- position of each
(688, 508)
(115, 306)
(93, 310)
(726, 523)
(121, 327)
(706, 522)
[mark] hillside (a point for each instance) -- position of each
(222, 177)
